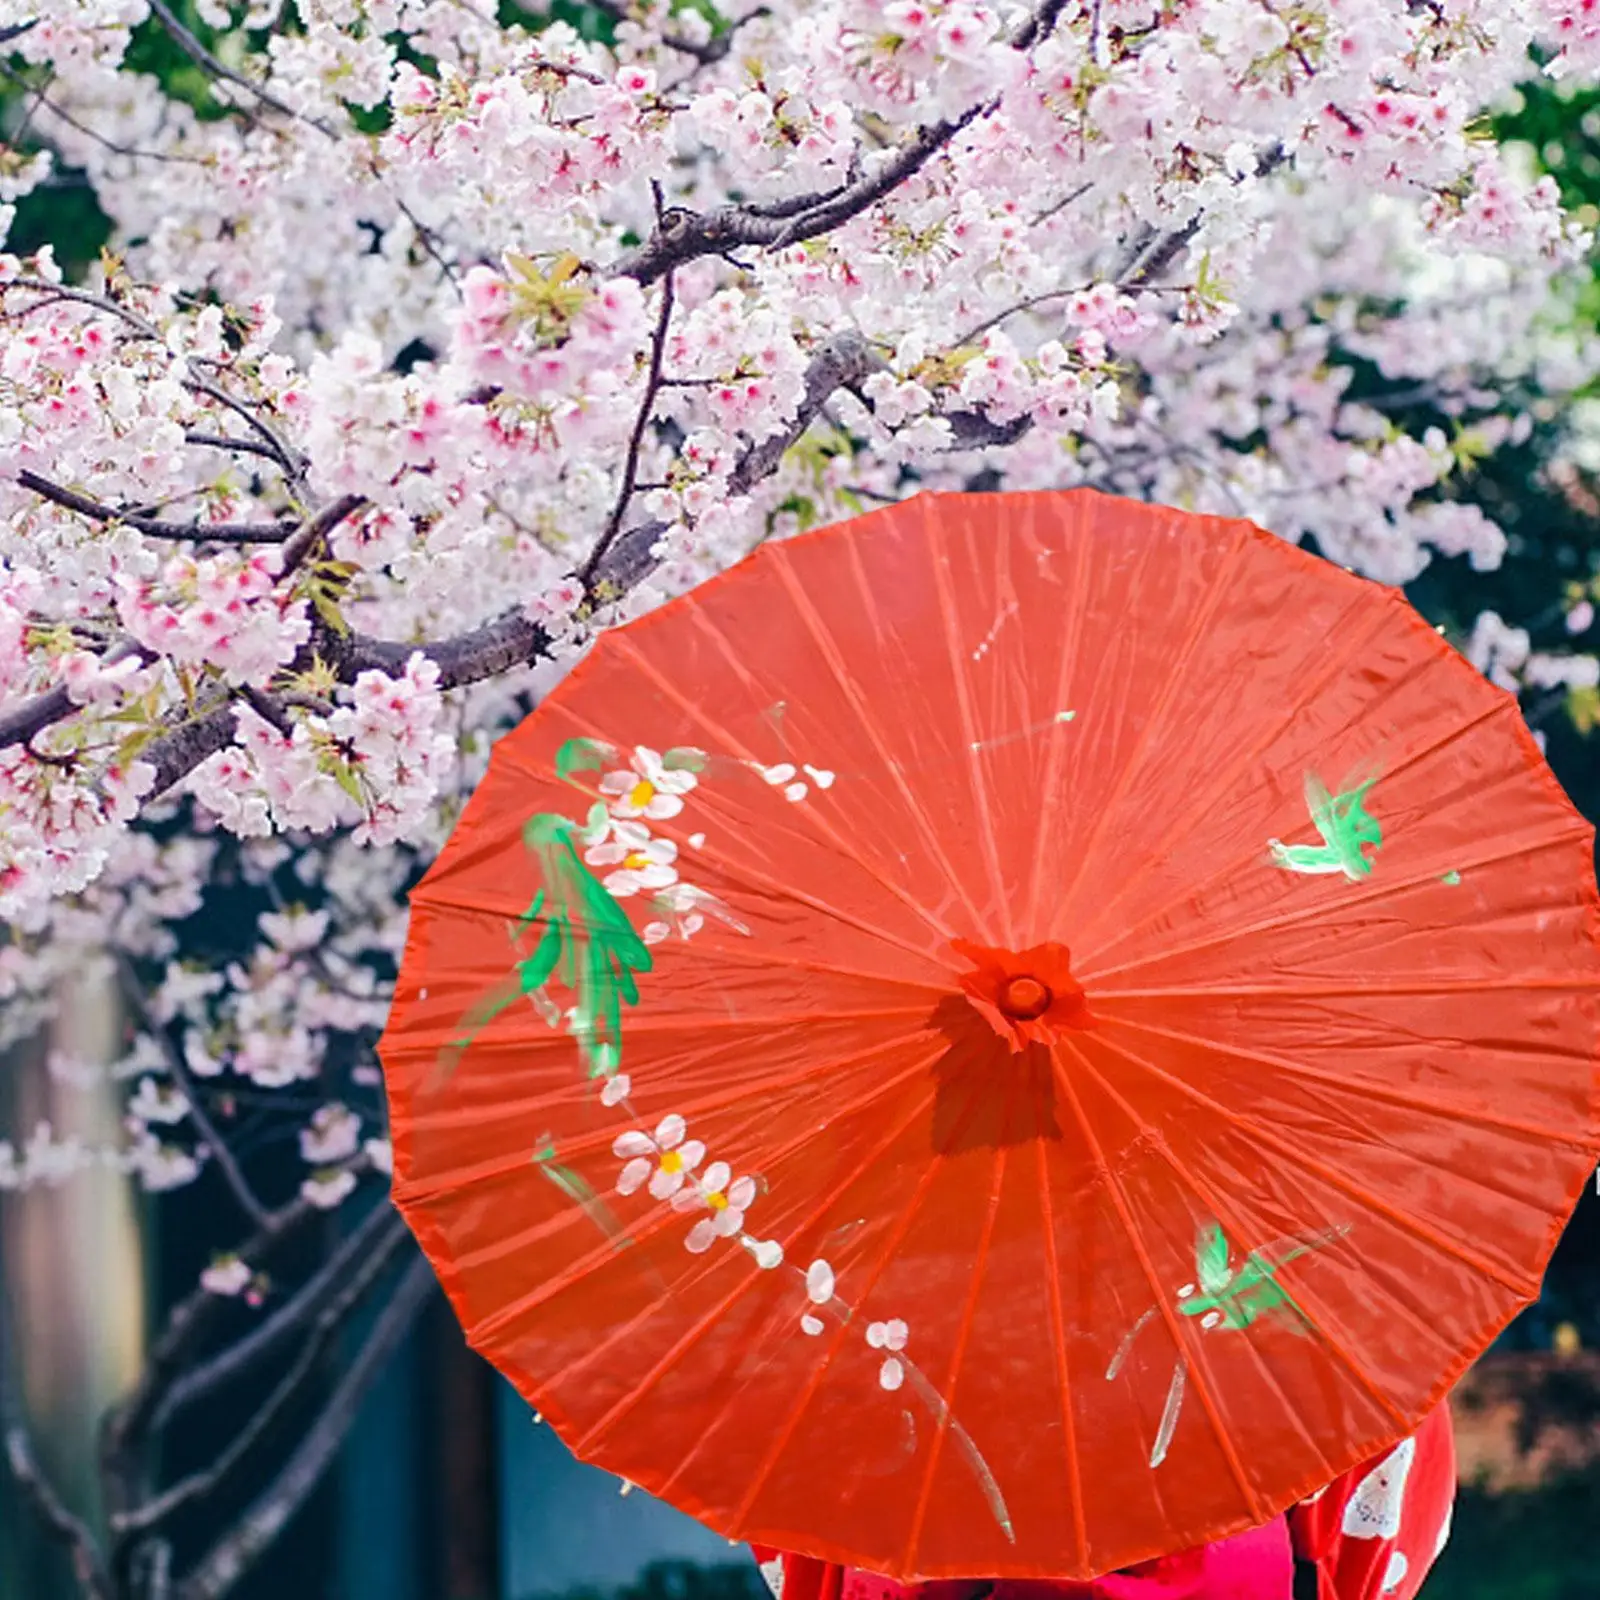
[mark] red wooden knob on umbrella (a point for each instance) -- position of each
(1024, 998)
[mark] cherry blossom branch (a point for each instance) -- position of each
(127, 1424)
(705, 54)
(269, 708)
(972, 430)
(513, 639)
(1094, 32)
(216, 1146)
(716, 48)
(222, 441)
(293, 464)
(301, 545)
(40, 1494)
(793, 205)
(36, 94)
(180, 751)
(199, 1382)
(682, 236)
(238, 1550)
(327, 1323)
(1153, 253)
(175, 755)
(842, 363)
(52, 292)
(208, 63)
(630, 464)
(151, 1566)
(1034, 301)
(37, 1490)
(276, 532)
(28, 721)
(1056, 207)
(1145, 259)
(430, 244)
(41, 98)
(1042, 23)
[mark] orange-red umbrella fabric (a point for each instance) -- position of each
(1006, 1037)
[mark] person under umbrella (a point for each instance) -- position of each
(1373, 1534)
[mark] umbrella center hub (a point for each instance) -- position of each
(1025, 998)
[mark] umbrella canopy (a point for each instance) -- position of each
(1005, 1037)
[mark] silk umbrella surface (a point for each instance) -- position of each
(1005, 1037)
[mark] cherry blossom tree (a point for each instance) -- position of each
(434, 336)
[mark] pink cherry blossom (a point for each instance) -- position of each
(227, 1275)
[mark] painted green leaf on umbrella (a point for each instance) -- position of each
(581, 755)
(576, 1189)
(587, 942)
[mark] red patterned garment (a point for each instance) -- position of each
(1375, 1533)
(1372, 1534)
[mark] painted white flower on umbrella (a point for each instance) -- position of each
(664, 1162)
(677, 902)
(685, 908)
(639, 862)
(727, 1198)
(891, 1337)
(646, 787)
(820, 1285)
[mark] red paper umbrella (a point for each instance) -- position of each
(1002, 1038)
